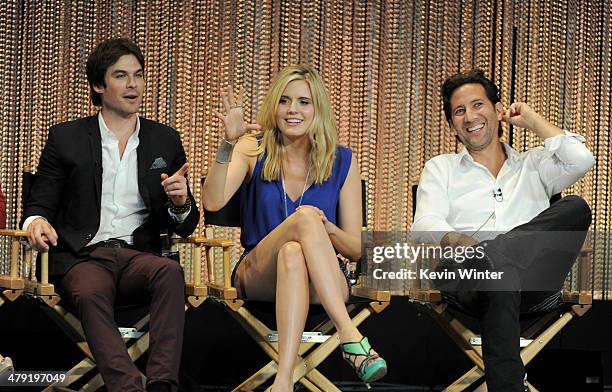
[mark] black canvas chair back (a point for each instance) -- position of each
(229, 215)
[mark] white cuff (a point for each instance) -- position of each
(29, 220)
(179, 218)
(552, 144)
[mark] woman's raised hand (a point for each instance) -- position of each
(233, 119)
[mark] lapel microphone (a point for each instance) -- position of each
(498, 195)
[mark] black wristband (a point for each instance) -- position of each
(179, 210)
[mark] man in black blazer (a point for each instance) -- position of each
(102, 194)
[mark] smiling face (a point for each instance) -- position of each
(295, 111)
(124, 81)
(474, 117)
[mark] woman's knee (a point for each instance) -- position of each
(291, 258)
(306, 221)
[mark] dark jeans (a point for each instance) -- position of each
(531, 259)
(93, 286)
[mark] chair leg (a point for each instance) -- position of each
(531, 387)
(468, 379)
(460, 334)
(96, 383)
(310, 386)
(539, 325)
(540, 341)
(319, 354)
(258, 378)
(270, 369)
(74, 374)
(321, 382)
(482, 388)
(305, 369)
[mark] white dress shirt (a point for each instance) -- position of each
(458, 194)
(122, 208)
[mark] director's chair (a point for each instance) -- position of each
(316, 345)
(136, 336)
(544, 325)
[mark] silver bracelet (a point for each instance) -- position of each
(224, 152)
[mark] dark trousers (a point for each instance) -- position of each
(535, 258)
(93, 287)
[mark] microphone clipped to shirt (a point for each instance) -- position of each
(498, 195)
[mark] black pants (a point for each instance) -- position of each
(535, 256)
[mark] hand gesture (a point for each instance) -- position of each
(521, 115)
(38, 229)
(175, 186)
(235, 126)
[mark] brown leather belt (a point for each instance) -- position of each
(111, 243)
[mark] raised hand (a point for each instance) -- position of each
(233, 119)
(522, 115)
(175, 186)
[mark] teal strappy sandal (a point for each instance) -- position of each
(372, 368)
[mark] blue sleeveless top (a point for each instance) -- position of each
(263, 207)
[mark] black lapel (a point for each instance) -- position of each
(143, 153)
(95, 145)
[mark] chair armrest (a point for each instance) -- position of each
(373, 294)
(577, 297)
(16, 282)
(205, 241)
(212, 287)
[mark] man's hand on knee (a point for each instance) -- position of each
(454, 239)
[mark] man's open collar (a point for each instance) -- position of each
(512, 154)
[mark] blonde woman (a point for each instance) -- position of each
(303, 207)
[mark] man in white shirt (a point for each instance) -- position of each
(104, 190)
(494, 199)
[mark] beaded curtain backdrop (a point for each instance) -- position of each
(383, 63)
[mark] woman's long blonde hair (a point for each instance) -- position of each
(322, 132)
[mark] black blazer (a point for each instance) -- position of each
(68, 186)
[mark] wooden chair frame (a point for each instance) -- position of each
(541, 332)
(310, 354)
(15, 285)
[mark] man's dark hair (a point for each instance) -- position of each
(104, 56)
(473, 76)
